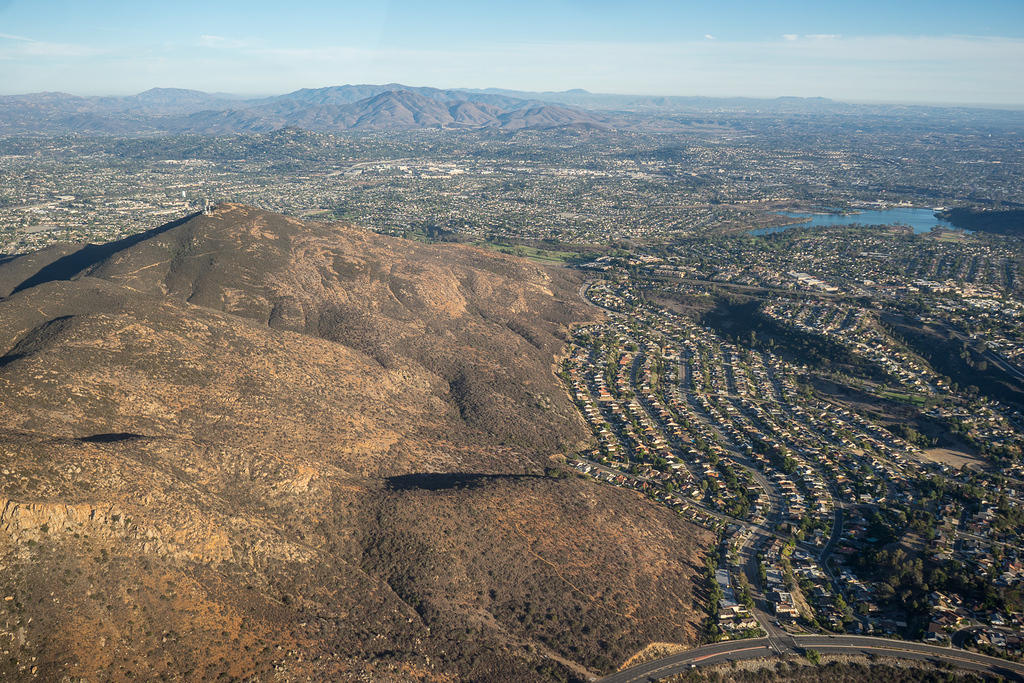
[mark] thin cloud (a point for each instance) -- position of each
(811, 36)
(22, 48)
(890, 68)
(708, 36)
(221, 42)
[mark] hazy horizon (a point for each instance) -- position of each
(918, 52)
(254, 95)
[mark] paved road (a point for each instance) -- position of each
(778, 642)
(848, 645)
(912, 650)
(699, 656)
(583, 295)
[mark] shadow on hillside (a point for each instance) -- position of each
(110, 437)
(439, 481)
(68, 266)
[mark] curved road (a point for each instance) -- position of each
(779, 643)
(735, 650)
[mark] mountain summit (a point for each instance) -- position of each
(243, 445)
(333, 109)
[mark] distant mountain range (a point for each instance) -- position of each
(348, 107)
(601, 101)
(393, 106)
(333, 109)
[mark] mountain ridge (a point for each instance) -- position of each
(331, 109)
(163, 111)
(243, 445)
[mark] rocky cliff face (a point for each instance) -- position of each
(244, 446)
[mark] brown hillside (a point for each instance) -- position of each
(474, 330)
(242, 445)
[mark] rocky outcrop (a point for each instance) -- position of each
(26, 521)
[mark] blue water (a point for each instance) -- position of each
(921, 220)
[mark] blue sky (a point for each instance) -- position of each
(868, 50)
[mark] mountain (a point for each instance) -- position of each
(578, 97)
(334, 109)
(175, 101)
(348, 94)
(57, 113)
(240, 445)
(394, 106)
(388, 110)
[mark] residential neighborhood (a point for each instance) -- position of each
(819, 509)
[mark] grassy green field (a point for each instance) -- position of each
(533, 253)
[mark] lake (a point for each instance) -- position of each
(920, 220)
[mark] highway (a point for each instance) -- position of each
(902, 649)
(736, 650)
(706, 655)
